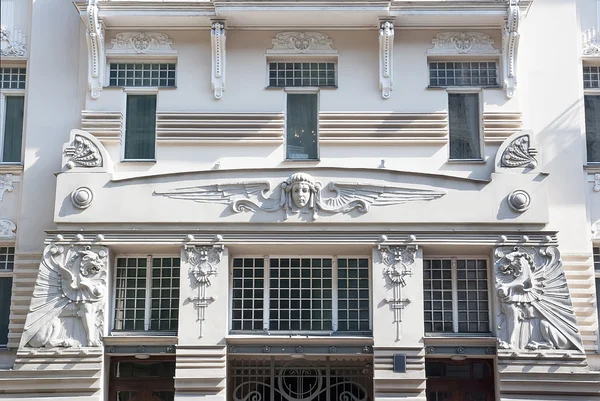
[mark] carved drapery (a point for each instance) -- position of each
(67, 305)
(386, 57)
(302, 193)
(217, 40)
(94, 34)
(203, 262)
(510, 47)
(398, 261)
(534, 304)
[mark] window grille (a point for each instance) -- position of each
(140, 280)
(320, 380)
(302, 74)
(302, 294)
(12, 78)
(7, 258)
(146, 74)
(456, 295)
(591, 77)
(596, 251)
(467, 73)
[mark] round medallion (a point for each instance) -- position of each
(519, 200)
(82, 197)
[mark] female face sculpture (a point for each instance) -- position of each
(301, 194)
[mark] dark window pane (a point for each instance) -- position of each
(5, 290)
(302, 126)
(463, 110)
(140, 127)
(13, 129)
(592, 127)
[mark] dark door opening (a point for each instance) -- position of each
(468, 380)
(133, 379)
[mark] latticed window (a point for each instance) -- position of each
(322, 380)
(463, 73)
(142, 74)
(591, 77)
(456, 295)
(12, 78)
(147, 294)
(301, 294)
(302, 74)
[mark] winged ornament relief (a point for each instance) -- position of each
(301, 193)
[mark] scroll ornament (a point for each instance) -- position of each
(71, 285)
(83, 153)
(535, 305)
(520, 153)
(301, 193)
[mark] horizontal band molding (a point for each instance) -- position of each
(104, 125)
(219, 127)
(377, 127)
(497, 126)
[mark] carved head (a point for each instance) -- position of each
(302, 188)
(91, 263)
(516, 263)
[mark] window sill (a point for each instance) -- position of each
(301, 161)
(592, 167)
(466, 161)
(462, 88)
(142, 161)
(11, 168)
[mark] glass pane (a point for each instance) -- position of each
(140, 127)
(130, 299)
(13, 129)
(247, 303)
(302, 126)
(437, 284)
(463, 110)
(592, 127)
(5, 292)
(127, 396)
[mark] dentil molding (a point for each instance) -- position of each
(301, 43)
(510, 47)
(534, 303)
(301, 193)
(217, 42)
(67, 304)
(386, 57)
(94, 33)
(398, 261)
(136, 43)
(7, 229)
(203, 262)
(461, 43)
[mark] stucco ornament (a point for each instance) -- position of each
(386, 57)
(301, 193)
(519, 153)
(301, 42)
(398, 261)
(510, 47)
(83, 153)
(82, 197)
(94, 34)
(141, 43)
(69, 295)
(591, 43)
(448, 43)
(535, 310)
(6, 185)
(7, 229)
(203, 262)
(519, 200)
(217, 42)
(12, 44)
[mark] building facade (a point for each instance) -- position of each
(299, 200)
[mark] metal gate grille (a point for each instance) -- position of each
(318, 380)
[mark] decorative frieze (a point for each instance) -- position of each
(94, 33)
(301, 43)
(217, 41)
(67, 305)
(398, 261)
(386, 57)
(136, 43)
(6, 185)
(535, 310)
(510, 47)
(462, 43)
(203, 262)
(301, 193)
(7, 229)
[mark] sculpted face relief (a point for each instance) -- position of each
(301, 194)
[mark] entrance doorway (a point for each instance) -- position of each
(133, 379)
(468, 380)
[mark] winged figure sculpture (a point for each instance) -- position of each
(535, 304)
(301, 192)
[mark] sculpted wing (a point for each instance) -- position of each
(553, 302)
(218, 193)
(354, 195)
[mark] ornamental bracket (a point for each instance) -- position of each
(386, 57)
(217, 41)
(399, 261)
(94, 33)
(510, 47)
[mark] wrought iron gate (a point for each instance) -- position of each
(317, 380)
